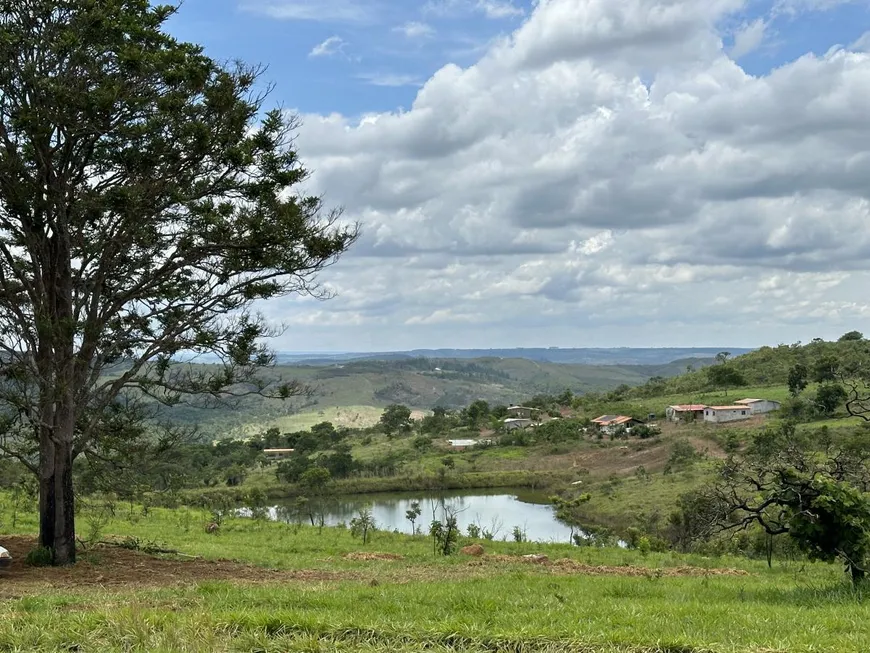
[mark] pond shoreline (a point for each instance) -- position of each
(495, 513)
(544, 481)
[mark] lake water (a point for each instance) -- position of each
(498, 511)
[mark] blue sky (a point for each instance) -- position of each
(573, 172)
(388, 48)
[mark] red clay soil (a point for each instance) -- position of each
(568, 566)
(115, 568)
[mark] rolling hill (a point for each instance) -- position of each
(420, 383)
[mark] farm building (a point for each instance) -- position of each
(685, 412)
(759, 406)
(512, 423)
(720, 414)
(464, 444)
(521, 412)
(612, 423)
(277, 454)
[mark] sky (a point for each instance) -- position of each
(573, 173)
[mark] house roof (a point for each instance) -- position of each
(607, 420)
(277, 450)
(728, 407)
(514, 420)
(688, 407)
(748, 401)
(519, 408)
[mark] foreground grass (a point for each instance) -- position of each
(422, 602)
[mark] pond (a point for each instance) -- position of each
(498, 511)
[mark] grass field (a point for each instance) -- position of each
(349, 416)
(288, 588)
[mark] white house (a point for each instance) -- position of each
(685, 412)
(277, 454)
(720, 414)
(759, 406)
(612, 423)
(512, 423)
(521, 412)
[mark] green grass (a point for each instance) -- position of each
(440, 604)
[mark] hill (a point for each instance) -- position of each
(420, 383)
(768, 367)
(574, 356)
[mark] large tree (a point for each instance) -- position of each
(147, 199)
(809, 488)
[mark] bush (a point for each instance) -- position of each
(645, 431)
(41, 556)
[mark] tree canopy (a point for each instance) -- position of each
(147, 200)
(810, 489)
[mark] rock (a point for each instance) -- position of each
(212, 528)
(536, 557)
(472, 550)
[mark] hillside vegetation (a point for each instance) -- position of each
(353, 388)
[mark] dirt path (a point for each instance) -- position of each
(115, 568)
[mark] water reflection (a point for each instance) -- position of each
(498, 512)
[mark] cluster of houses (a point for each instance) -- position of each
(521, 417)
(739, 410)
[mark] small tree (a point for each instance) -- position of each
(851, 336)
(476, 413)
(315, 482)
(396, 418)
(725, 377)
(445, 532)
(567, 511)
(412, 514)
(797, 379)
(363, 523)
(829, 396)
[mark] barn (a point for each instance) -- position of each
(759, 406)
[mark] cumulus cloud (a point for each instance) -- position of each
(332, 45)
(606, 174)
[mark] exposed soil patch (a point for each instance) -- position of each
(373, 555)
(569, 566)
(116, 568)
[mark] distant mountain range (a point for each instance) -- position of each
(573, 356)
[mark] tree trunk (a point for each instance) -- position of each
(856, 573)
(57, 529)
(56, 504)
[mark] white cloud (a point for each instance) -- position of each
(332, 45)
(499, 8)
(495, 9)
(350, 11)
(862, 44)
(748, 38)
(415, 30)
(607, 174)
(390, 79)
(794, 7)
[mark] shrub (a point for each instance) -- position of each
(41, 556)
